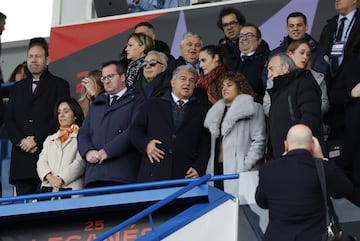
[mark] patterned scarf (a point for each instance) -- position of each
(65, 132)
(210, 81)
(133, 70)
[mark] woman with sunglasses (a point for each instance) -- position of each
(154, 80)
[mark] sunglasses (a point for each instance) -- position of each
(152, 63)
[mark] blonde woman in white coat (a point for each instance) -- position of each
(237, 127)
(60, 166)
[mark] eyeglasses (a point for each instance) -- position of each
(152, 63)
(232, 24)
(247, 35)
(109, 77)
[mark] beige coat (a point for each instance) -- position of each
(63, 161)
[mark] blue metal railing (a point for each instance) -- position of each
(111, 189)
(152, 208)
(7, 84)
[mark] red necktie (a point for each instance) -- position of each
(180, 104)
(36, 82)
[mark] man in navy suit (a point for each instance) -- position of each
(290, 188)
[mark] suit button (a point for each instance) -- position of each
(30, 121)
(173, 136)
(170, 151)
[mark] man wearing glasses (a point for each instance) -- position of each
(230, 22)
(103, 138)
(254, 52)
(154, 80)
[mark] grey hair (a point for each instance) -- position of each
(190, 34)
(285, 59)
(187, 68)
(162, 56)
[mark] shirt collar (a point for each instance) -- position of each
(175, 98)
(248, 54)
(349, 16)
(120, 93)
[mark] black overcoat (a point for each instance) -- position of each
(32, 115)
(186, 146)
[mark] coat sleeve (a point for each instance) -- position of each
(337, 184)
(204, 145)
(260, 195)
(325, 104)
(309, 102)
(257, 135)
(43, 167)
(138, 129)
(14, 133)
(84, 136)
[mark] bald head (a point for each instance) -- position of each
(299, 137)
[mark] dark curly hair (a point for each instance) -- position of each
(239, 80)
(229, 10)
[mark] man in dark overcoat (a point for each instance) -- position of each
(169, 132)
(30, 116)
(295, 99)
(103, 139)
(290, 188)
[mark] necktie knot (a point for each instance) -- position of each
(112, 99)
(180, 104)
(244, 57)
(340, 30)
(36, 82)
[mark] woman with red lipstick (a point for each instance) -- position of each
(60, 166)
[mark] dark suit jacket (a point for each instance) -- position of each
(329, 30)
(351, 123)
(337, 91)
(290, 188)
(186, 146)
(252, 68)
(32, 115)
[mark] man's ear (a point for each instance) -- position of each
(286, 145)
(285, 68)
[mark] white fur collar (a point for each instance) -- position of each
(242, 107)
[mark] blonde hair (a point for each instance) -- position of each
(94, 76)
(142, 39)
